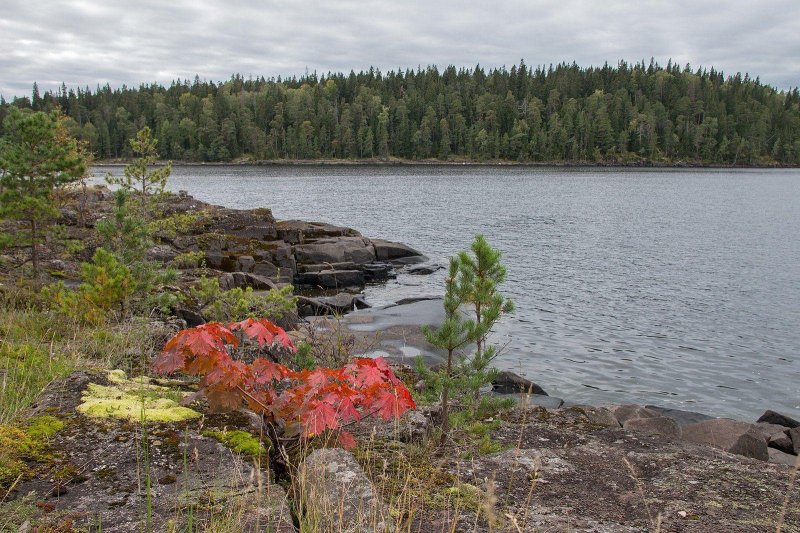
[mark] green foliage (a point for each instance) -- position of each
(302, 359)
(611, 113)
(240, 441)
(26, 367)
(104, 294)
(189, 259)
(37, 156)
(238, 303)
(173, 225)
(471, 282)
(138, 177)
(127, 234)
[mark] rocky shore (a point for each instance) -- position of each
(542, 465)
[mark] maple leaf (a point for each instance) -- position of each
(319, 418)
(264, 332)
(392, 404)
(265, 371)
(223, 400)
(168, 362)
(347, 410)
(347, 440)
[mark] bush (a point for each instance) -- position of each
(237, 304)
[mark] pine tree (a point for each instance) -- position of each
(480, 275)
(455, 332)
(137, 176)
(37, 156)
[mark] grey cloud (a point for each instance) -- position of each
(82, 42)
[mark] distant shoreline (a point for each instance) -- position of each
(453, 163)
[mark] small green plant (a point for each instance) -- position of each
(189, 259)
(138, 176)
(240, 303)
(107, 285)
(472, 282)
(173, 225)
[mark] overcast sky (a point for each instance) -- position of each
(85, 42)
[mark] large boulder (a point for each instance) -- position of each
(258, 224)
(335, 250)
(338, 496)
(781, 458)
(794, 433)
(332, 279)
(776, 418)
(741, 438)
(390, 251)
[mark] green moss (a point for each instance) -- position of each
(134, 400)
(29, 443)
(44, 427)
(240, 441)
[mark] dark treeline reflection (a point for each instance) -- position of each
(628, 113)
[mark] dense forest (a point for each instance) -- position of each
(626, 114)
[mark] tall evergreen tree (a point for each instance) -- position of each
(37, 155)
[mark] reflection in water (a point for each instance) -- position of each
(672, 287)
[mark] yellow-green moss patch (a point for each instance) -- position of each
(240, 441)
(28, 443)
(44, 427)
(134, 399)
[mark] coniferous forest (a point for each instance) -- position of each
(631, 114)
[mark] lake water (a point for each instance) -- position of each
(673, 287)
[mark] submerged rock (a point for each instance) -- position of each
(623, 413)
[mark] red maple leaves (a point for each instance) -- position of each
(306, 402)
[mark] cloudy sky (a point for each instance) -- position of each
(86, 42)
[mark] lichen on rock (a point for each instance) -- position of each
(135, 400)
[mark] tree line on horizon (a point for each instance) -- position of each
(629, 113)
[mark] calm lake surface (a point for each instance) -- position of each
(672, 287)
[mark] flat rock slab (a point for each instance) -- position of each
(569, 475)
(106, 461)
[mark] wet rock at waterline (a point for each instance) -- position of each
(623, 413)
(773, 417)
(509, 382)
(330, 305)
